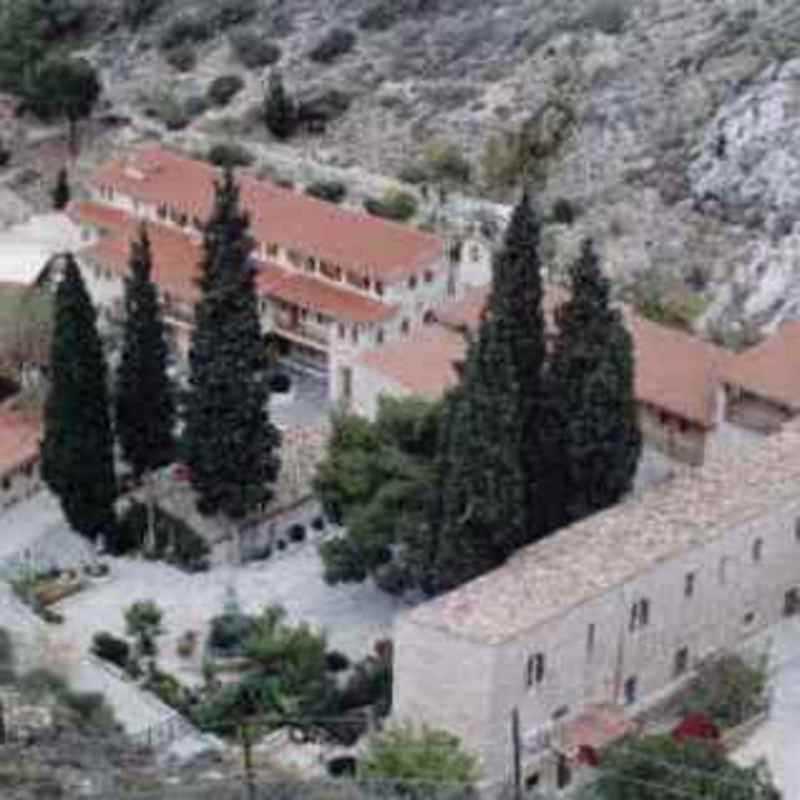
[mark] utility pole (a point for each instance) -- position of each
(515, 742)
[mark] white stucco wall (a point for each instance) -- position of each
(728, 585)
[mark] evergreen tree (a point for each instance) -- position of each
(61, 191)
(489, 500)
(591, 383)
(77, 451)
(230, 442)
(280, 114)
(144, 403)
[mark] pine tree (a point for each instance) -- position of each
(591, 383)
(229, 439)
(280, 114)
(489, 500)
(144, 403)
(77, 451)
(61, 191)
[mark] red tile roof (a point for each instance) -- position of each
(675, 371)
(176, 258)
(19, 439)
(99, 215)
(356, 241)
(318, 295)
(771, 369)
(422, 363)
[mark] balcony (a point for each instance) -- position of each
(303, 331)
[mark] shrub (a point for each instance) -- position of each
(447, 163)
(336, 661)
(413, 173)
(563, 212)
(7, 658)
(347, 729)
(223, 89)
(318, 523)
(262, 554)
(40, 681)
(51, 593)
(187, 28)
(234, 12)
(394, 205)
(229, 632)
(280, 112)
(167, 688)
(252, 50)
(608, 16)
(322, 108)
(52, 617)
(187, 644)
(85, 704)
(280, 383)
(280, 544)
(380, 17)
(232, 154)
(182, 57)
(392, 579)
(195, 106)
(297, 533)
(334, 44)
(135, 12)
(332, 191)
(111, 648)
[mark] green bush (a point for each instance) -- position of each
(135, 12)
(323, 108)
(252, 50)
(728, 690)
(563, 211)
(230, 154)
(223, 89)
(446, 162)
(195, 106)
(188, 27)
(414, 173)
(380, 17)
(332, 191)
(229, 633)
(608, 16)
(111, 648)
(234, 12)
(394, 205)
(182, 57)
(333, 45)
(86, 704)
(39, 682)
(167, 688)
(335, 661)
(7, 658)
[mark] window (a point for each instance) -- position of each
(311, 265)
(534, 670)
(429, 317)
(663, 418)
(681, 661)
(590, 639)
(563, 772)
(354, 334)
(405, 326)
(6, 483)
(630, 690)
(797, 530)
(271, 249)
(379, 336)
(749, 618)
(428, 276)
(475, 253)
(723, 570)
(379, 288)
(688, 586)
(412, 282)
(295, 259)
(532, 781)
(560, 713)
(320, 318)
(342, 331)
(167, 299)
(640, 614)
(791, 603)
(683, 425)
(758, 547)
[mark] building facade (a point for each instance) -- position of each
(19, 457)
(329, 279)
(608, 612)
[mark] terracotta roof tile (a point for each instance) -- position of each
(423, 363)
(19, 439)
(549, 578)
(303, 290)
(675, 371)
(356, 241)
(176, 257)
(99, 215)
(771, 369)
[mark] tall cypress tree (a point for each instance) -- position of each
(230, 442)
(77, 452)
(144, 403)
(489, 497)
(591, 382)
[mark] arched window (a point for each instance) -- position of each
(758, 547)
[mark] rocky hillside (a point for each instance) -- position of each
(669, 126)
